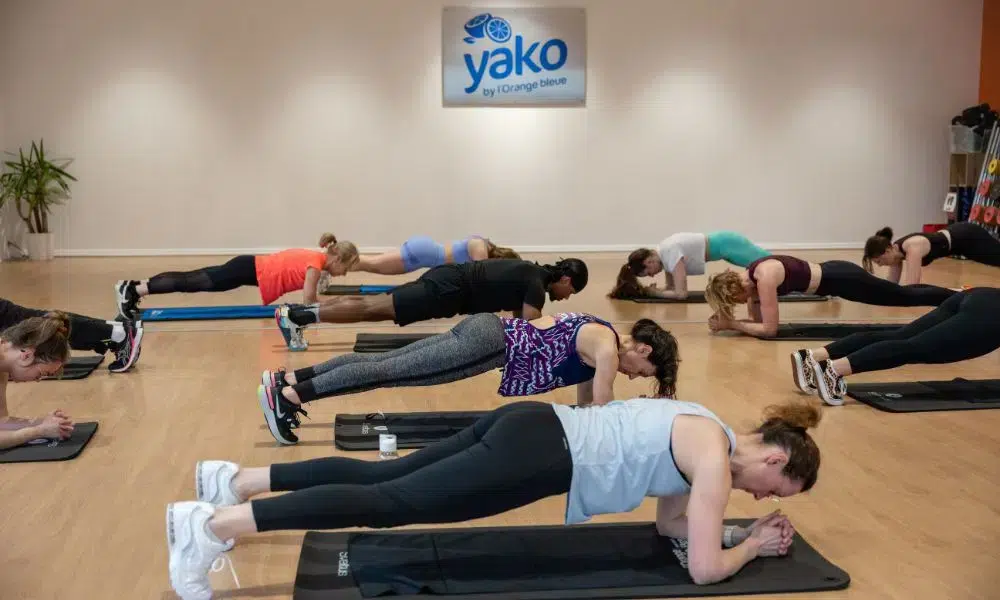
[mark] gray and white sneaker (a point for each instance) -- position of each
(802, 371)
(192, 549)
(829, 384)
(213, 481)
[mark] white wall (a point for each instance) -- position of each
(238, 124)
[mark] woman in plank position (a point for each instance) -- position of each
(965, 326)
(536, 356)
(274, 274)
(606, 458)
(907, 256)
(422, 252)
(678, 256)
(484, 286)
(123, 338)
(767, 278)
(35, 347)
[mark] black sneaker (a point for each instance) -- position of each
(127, 299)
(275, 378)
(802, 371)
(127, 352)
(829, 384)
(280, 414)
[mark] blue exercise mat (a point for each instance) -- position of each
(357, 290)
(206, 313)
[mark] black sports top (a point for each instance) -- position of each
(798, 273)
(940, 247)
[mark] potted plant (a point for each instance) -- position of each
(36, 184)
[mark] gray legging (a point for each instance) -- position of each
(475, 346)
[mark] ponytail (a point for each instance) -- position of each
(574, 268)
(494, 251)
(627, 285)
(876, 246)
(786, 425)
(347, 252)
(637, 260)
(664, 357)
(48, 336)
(722, 292)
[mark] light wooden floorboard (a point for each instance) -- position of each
(907, 504)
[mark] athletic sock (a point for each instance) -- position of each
(304, 315)
(117, 332)
(304, 374)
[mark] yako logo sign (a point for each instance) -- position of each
(502, 62)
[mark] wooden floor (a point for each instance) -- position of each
(909, 505)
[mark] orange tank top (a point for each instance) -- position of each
(285, 271)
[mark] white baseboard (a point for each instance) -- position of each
(562, 249)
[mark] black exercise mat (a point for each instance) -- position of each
(77, 367)
(926, 396)
(384, 342)
(827, 331)
(698, 297)
(412, 430)
(52, 449)
(616, 560)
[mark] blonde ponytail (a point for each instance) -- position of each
(723, 291)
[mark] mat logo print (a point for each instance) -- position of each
(680, 551)
(343, 565)
(502, 62)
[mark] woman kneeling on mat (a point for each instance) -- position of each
(606, 458)
(678, 256)
(767, 278)
(906, 256)
(34, 348)
(536, 356)
(274, 274)
(422, 252)
(966, 326)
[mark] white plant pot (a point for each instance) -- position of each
(40, 246)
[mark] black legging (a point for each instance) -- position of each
(513, 456)
(975, 243)
(849, 281)
(967, 325)
(85, 333)
(237, 272)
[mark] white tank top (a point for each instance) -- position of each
(621, 453)
(689, 246)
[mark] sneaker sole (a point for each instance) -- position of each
(269, 417)
(284, 332)
(171, 540)
(799, 375)
(198, 487)
(133, 356)
(120, 298)
(821, 388)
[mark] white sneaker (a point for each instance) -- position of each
(191, 548)
(213, 480)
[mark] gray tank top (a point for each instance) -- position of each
(621, 453)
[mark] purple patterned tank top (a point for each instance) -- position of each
(540, 360)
